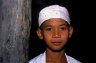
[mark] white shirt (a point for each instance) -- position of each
(42, 59)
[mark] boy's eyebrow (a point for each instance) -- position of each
(48, 26)
(63, 24)
(51, 25)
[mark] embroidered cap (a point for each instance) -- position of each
(53, 11)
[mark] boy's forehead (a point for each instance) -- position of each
(55, 21)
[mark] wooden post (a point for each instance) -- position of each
(15, 23)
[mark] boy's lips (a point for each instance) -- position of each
(56, 43)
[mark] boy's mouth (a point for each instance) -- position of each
(56, 43)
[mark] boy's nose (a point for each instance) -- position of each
(56, 34)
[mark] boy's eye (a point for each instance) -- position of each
(48, 29)
(63, 28)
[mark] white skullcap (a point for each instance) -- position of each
(53, 11)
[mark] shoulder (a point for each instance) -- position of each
(71, 59)
(37, 59)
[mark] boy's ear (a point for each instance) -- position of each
(39, 33)
(70, 31)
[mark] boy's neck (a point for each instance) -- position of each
(55, 57)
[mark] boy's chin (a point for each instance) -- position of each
(56, 49)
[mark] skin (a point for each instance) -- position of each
(55, 33)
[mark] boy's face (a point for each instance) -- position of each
(55, 32)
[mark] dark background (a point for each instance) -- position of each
(81, 14)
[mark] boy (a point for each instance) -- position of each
(55, 29)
